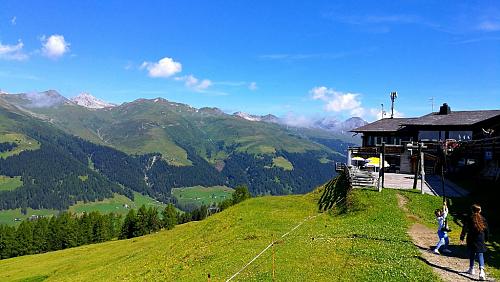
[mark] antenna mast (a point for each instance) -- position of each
(394, 95)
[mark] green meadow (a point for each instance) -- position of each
(119, 204)
(10, 183)
(199, 195)
(23, 143)
(369, 243)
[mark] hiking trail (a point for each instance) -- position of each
(449, 267)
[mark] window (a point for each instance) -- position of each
(460, 135)
(431, 135)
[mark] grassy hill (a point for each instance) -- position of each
(368, 243)
(116, 204)
(198, 195)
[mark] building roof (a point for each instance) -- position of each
(454, 118)
(384, 125)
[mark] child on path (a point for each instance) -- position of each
(476, 230)
(442, 230)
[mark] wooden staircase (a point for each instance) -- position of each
(362, 178)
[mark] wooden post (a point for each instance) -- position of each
(349, 157)
(418, 166)
(274, 258)
(379, 179)
(422, 172)
(382, 166)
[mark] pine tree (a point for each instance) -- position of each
(129, 228)
(240, 194)
(142, 221)
(7, 240)
(24, 238)
(41, 236)
(169, 217)
(154, 222)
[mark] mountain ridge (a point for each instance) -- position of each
(88, 101)
(190, 146)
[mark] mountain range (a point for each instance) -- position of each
(327, 123)
(151, 146)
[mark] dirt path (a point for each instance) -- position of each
(450, 267)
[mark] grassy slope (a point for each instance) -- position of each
(114, 204)
(8, 216)
(223, 243)
(200, 195)
(10, 183)
(23, 143)
(283, 163)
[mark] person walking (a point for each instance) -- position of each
(475, 228)
(442, 231)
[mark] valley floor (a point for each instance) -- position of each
(369, 243)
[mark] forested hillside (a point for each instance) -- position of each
(66, 153)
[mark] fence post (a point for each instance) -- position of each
(274, 258)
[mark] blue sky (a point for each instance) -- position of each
(300, 59)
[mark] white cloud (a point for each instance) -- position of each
(165, 67)
(336, 101)
(129, 66)
(252, 86)
(204, 84)
(376, 114)
(194, 83)
(55, 46)
(358, 112)
(13, 20)
(489, 26)
(295, 120)
(190, 81)
(13, 52)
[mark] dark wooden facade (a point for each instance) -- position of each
(475, 136)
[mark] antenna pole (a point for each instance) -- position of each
(382, 113)
(394, 95)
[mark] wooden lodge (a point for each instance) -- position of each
(468, 137)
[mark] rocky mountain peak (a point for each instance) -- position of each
(88, 101)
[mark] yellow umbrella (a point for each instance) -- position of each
(377, 164)
(357, 160)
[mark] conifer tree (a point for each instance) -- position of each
(129, 228)
(169, 217)
(240, 194)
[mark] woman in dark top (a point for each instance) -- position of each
(476, 230)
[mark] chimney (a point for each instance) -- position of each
(444, 109)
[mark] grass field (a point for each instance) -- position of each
(368, 244)
(115, 204)
(8, 216)
(23, 143)
(159, 143)
(199, 195)
(10, 183)
(283, 163)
